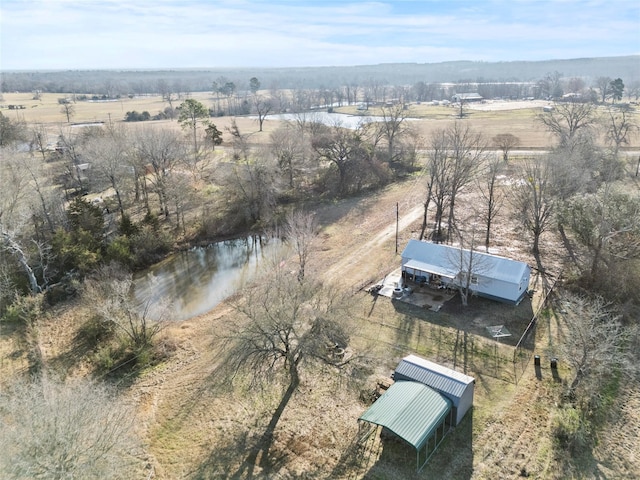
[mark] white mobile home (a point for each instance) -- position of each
(493, 277)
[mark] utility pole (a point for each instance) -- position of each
(397, 225)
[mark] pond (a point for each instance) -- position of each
(330, 119)
(193, 282)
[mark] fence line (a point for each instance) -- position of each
(522, 355)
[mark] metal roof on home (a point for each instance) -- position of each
(451, 258)
(436, 376)
(430, 268)
(411, 410)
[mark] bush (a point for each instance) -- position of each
(24, 310)
(137, 117)
(119, 250)
(149, 246)
(571, 430)
(94, 331)
(127, 227)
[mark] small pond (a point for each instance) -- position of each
(194, 281)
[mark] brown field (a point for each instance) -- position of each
(517, 118)
(195, 425)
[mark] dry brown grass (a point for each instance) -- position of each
(195, 424)
(519, 122)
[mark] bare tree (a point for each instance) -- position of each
(71, 148)
(286, 325)
(108, 294)
(603, 84)
(567, 120)
(15, 187)
(289, 148)
(301, 231)
(469, 265)
(438, 187)
(619, 128)
(455, 156)
(20, 201)
(576, 85)
(550, 86)
(249, 183)
(181, 194)
(532, 199)
(159, 151)
(67, 108)
(40, 140)
(491, 194)
(262, 107)
(467, 153)
(166, 92)
(392, 127)
(595, 346)
(506, 142)
(52, 430)
(9, 243)
(109, 160)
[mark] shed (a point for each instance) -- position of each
(492, 276)
(455, 386)
(414, 412)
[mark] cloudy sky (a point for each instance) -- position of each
(95, 34)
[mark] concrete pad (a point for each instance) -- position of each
(415, 294)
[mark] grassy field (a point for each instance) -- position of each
(519, 122)
(196, 424)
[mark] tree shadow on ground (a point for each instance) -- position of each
(85, 343)
(244, 455)
(240, 458)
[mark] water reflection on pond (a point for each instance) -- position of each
(196, 280)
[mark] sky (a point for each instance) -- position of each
(161, 34)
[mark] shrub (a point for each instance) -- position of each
(119, 250)
(137, 117)
(571, 430)
(149, 246)
(127, 227)
(24, 310)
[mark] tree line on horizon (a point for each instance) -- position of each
(112, 83)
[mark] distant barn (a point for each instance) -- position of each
(467, 97)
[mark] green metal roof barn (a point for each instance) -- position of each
(414, 412)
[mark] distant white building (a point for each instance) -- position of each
(467, 97)
(493, 277)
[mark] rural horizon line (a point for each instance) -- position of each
(262, 67)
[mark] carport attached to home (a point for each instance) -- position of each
(417, 268)
(414, 412)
